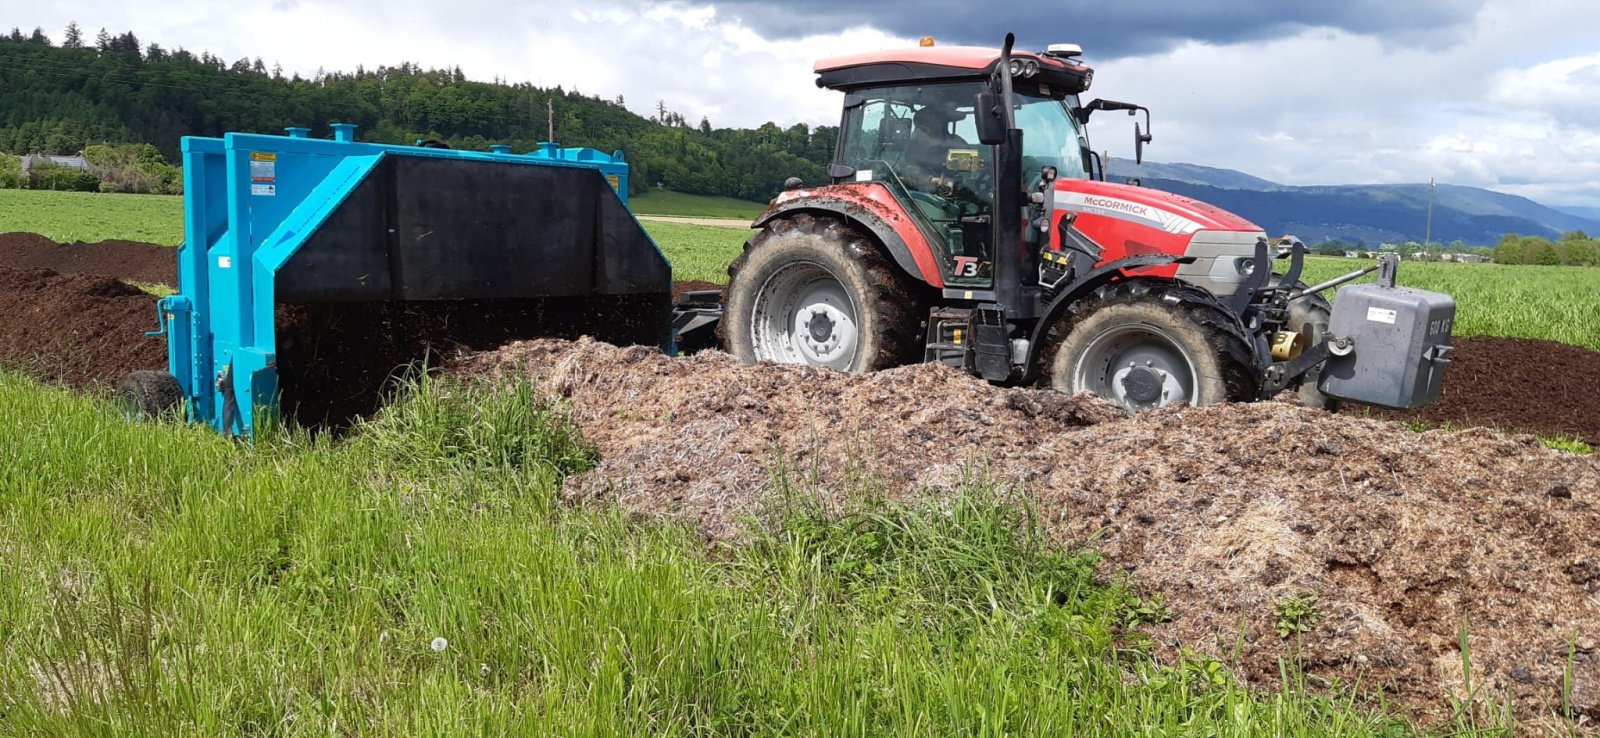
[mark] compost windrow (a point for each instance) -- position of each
(1226, 510)
(75, 329)
(129, 261)
(1517, 384)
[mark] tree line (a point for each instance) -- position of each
(1573, 248)
(116, 89)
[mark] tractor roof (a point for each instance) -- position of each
(940, 63)
(975, 58)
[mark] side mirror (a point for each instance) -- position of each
(990, 118)
(1140, 138)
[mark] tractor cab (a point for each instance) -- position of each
(911, 124)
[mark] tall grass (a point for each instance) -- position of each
(419, 579)
(1551, 303)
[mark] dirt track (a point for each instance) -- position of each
(710, 222)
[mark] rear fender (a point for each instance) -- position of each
(869, 207)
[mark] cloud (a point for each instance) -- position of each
(1493, 93)
(1113, 29)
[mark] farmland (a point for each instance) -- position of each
(546, 540)
(1552, 303)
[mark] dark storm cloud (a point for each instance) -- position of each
(1110, 28)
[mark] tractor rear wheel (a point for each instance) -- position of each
(1145, 353)
(811, 290)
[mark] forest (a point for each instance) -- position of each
(115, 89)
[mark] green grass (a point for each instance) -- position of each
(666, 202)
(157, 579)
(92, 216)
(1553, 303)
(698, 252)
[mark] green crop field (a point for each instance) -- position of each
(1554, 303)
(664, 202)
(92, 216)
(419, 578)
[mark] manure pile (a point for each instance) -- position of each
(1226, 511)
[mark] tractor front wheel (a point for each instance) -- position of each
(811, 290)
(1147, 354)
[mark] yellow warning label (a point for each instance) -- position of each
(615, 181)
(263, 156)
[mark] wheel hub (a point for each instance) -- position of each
(1142, 384)
(1137, 366)
(821, 326)
(804, 315)
(824, 335)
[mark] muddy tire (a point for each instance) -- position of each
(1309, 317)
(1131, 346)
(811, 290)
(148, 394)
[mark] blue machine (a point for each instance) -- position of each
(276, 220)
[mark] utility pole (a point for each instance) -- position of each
(550, 119)
(1427, 238)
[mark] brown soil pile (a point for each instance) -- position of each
(1518, 384)
(126, 260)
(693, 285)
(1225, 510)
(74, 329)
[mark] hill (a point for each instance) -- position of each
(1373, 213)
(1122, 169)
(59, 99)
(1385, 213)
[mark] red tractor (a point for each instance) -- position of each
(968, 222)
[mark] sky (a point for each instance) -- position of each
(1503, 94)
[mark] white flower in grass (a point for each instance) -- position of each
(439, 644)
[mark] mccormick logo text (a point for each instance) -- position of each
(1118, 205)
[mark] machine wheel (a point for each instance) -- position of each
(148, 394)
(1309, 317)
(811, 290)
(1144, 352)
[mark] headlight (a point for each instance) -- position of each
(1023, 67)
(1246, 266)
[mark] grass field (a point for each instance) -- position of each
(1554, 303)
(93, 216)
(419, 579)
(662, 202)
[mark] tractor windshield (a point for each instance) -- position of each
(1051, 136)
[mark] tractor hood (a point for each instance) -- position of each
(1164, 211)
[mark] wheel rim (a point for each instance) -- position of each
(803, 315)
(1140, 367)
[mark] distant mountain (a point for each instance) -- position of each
(1581, 212)
(1385, 213)
(1119, 170)
(1371, 213)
